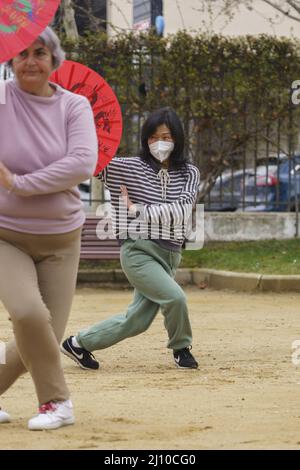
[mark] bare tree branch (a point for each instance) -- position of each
(288, 8)
(281, 9)
(112, 3)
(180, 13)
(295, 5)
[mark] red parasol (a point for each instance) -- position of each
(21, 22)
(79, 79)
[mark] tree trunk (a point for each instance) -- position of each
(69, 20)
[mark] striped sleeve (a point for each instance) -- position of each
(112, 172)
(178, 211)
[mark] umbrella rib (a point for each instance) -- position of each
(115, 121)
(103, 105)
(84, 80)
(70, 76)
(99, 87)
(107, 137)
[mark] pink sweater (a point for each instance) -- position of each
(50, 144)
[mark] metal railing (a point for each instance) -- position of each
(5, 72)
(262, 175)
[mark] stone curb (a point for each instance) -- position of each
(202, 278)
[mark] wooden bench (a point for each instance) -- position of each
(92, 247)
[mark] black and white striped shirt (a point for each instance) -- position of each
(164, 199)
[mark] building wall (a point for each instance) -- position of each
(244, 22)
(186, 14)
(119, 16)
(245, 226)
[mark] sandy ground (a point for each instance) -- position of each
(244, 396)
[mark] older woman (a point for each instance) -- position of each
(48, 146)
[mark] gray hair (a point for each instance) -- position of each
(50, 39)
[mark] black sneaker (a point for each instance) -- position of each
(85, 359)
(184, 359)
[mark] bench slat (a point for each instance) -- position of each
(92, 247)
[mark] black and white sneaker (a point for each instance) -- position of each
(184, 359)
(84, 358)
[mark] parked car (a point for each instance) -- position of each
(86, 196)
(278, 189)
(227, 193)
(84, 189)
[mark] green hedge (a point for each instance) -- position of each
(229, 92)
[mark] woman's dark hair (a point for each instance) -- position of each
(168, 117)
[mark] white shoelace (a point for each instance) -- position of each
(164, 177)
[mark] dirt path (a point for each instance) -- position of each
(245, 395)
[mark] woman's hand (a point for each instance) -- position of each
(125, 197)
(6, 177)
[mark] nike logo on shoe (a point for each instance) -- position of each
(83, 357)
(79, 356)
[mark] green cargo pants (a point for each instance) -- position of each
(150, 269)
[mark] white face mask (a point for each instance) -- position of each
(161, 150)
